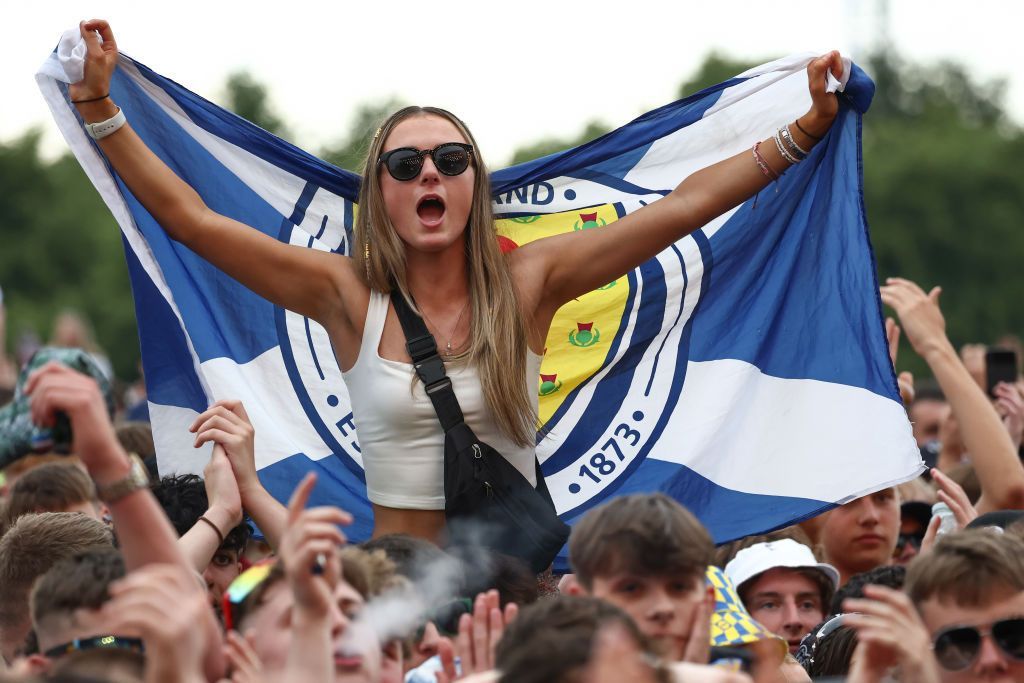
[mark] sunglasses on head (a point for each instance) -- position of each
(405, 163)
(243, 586)
(78, 644)
(957, 647)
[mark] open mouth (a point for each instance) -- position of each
(430, 209)
(347, 660)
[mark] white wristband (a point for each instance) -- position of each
(100, 130)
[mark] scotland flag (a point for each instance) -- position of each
(744, 371)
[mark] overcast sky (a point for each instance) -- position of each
(513, 71)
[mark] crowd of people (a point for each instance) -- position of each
(189, 578)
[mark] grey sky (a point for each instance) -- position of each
(514, 71)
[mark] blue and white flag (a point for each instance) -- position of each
(744, 371)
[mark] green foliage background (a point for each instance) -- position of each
(942, 175)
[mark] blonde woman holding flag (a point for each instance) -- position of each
(425, 228)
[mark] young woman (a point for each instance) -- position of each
(425, 226)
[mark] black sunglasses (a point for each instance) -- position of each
(132, 644)
(957, 647)
(913, 539)
(405, 163)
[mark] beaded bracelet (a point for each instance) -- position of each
(767, 170)
(796, 150)
(782, 149)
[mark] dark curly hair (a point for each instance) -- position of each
(183, 498)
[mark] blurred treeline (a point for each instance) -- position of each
(943, 180)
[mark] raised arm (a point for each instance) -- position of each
(984, 435)
(572, 264)
(306, 281)
(224, 512)
(227, 425)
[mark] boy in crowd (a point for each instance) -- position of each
(29, 548)
(861, 535)
(66, 602)
(648, 555)
(185, 501)
(53, 487)
(969, 591)
(784, 587)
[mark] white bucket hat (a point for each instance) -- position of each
(786, 553)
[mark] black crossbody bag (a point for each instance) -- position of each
(487, 501)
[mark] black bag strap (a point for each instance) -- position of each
(428, 364)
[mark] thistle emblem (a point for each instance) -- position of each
(589, 220)
(584, 335)
(525, 219)
(549, 384)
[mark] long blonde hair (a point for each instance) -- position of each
(497, 336)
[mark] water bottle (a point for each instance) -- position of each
(942, 511)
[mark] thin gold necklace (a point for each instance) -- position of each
(448, 345)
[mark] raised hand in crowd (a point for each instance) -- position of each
(145, 534)
(202, 541)
(226, 423)
(890, 635)
(953, 495)
(985, 438)
(243, 661)
(904, 380)
(479, 634)
(162, 604)
(1010, 405)
(309, 551)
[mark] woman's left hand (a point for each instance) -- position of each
(824, 105)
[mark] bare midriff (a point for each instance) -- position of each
(426, 524)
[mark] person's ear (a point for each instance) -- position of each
(37, 664)
(568, 585)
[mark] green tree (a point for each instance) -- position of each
(944, 194)
(716, 68)
(350, 152)
(249, 98)
(67, 252)
(550, 145)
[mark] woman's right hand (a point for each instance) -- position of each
(100, 61)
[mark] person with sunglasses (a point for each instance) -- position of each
(425, 226)
(969, 591)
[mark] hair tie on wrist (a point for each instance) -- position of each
(94, 99)
(801, 129)
(214, 527)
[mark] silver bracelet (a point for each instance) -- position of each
(787, 137)
(782, 149)
(101, 129)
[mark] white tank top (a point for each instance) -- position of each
(400, 438)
